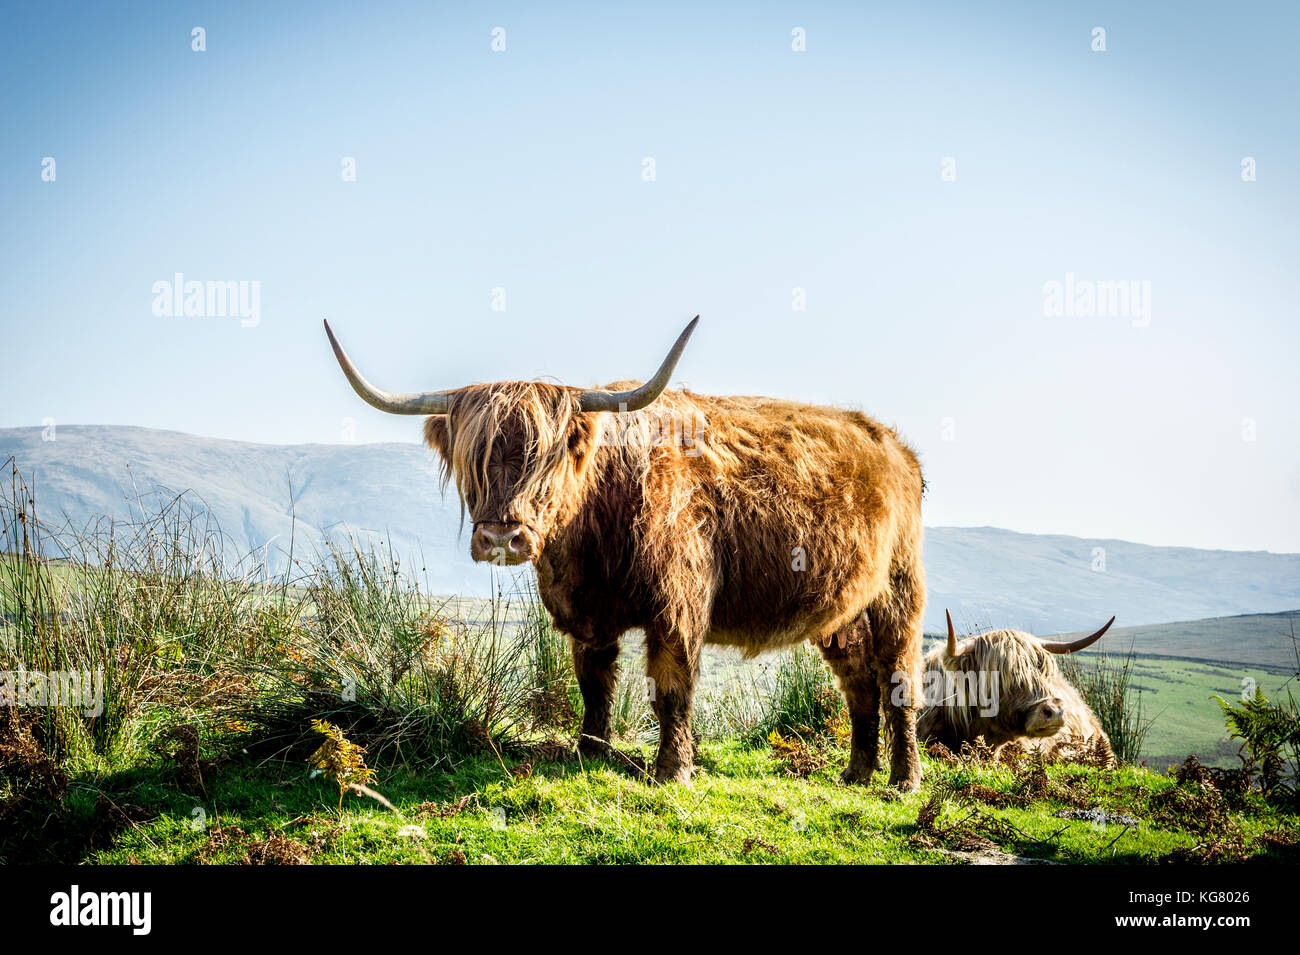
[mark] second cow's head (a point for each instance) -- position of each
(517, 450)
(1033, 696)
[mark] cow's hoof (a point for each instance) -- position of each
(592, 748)
(908, 785)
(680, 775)
(856, 775)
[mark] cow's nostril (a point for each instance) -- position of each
(501, 542)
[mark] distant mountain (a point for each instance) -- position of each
(384, 492)
(1046, 583)
(985, 575)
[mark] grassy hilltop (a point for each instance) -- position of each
(748, 805)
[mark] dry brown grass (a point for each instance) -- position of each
(433, 810)
(798, 758)
(26, 767)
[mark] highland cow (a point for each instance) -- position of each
(1005, 687)
(749, 522)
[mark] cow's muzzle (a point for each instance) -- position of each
(503, 543)
(1045, 718)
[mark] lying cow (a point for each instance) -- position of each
(1006, 687)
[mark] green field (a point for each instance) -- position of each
(746, 806)
(1179, 668)
(1178, 697)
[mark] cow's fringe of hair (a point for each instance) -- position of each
(544, 411)
(1026, 673)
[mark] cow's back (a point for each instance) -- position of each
(804, 508)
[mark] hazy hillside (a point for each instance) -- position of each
(1259, 640)
(987, 576)
(387, 491)
(1046, 583)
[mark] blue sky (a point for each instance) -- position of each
(522, 170)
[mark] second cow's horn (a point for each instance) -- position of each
(1072, 646)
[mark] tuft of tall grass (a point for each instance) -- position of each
(632, 718)
(183, 632)
(142, 602)
(1106, 685)
(798, 696)
(556, 699)
(377, 656)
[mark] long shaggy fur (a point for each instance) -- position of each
(745, 521)
(1025, 675)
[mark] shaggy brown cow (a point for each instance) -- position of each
(1005, 686)
(749, 522)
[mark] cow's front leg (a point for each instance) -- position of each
(672, 671)
(896, 649)
(596, 667)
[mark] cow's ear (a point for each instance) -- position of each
(582, 441)
(438, 436)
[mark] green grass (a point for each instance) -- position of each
(743, 808)
(1178, 697)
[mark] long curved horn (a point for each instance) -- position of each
(429, 402)
(638, 398)
(1073, 646)
(952, 635)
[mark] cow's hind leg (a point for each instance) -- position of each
(905, 757)
(846, 653)
(596, 668)
(895, 649)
